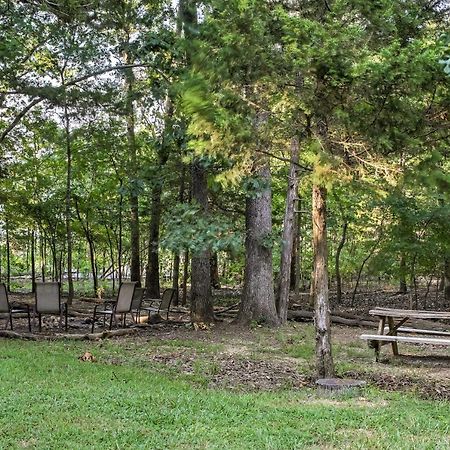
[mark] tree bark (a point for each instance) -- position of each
(258, 299)
(176, 278)
(201, 301)
(214, 263)
(8, 256)
(33, 262)
(288, 235)
(403, 286)
(447, 280)
(185, 278)
(152, 273)
(338, 263)
(324, 359)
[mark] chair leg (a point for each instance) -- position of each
(40, 321)
(111, 320)
(10, 321)
(65, 314)
(29, 321)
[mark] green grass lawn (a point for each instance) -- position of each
(51, 400)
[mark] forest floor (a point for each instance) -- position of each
(224, 356)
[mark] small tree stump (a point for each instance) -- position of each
(340, 386)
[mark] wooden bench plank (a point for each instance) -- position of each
(419, 331)
(412, 314)
(411, 339)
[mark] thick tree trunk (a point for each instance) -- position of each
(258, 300)
(288, 235)
(152, 273)
(338, 263)
(324, 359)
(201, 301)
(403, 286)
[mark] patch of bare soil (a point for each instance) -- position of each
(226, 371)
(427, 389)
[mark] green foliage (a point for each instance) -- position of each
(188, 228)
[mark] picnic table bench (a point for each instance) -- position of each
(391, 321)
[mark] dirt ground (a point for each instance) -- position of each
(263, 359)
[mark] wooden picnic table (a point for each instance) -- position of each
(390, 324)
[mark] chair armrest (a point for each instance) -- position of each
(20, 306)
(151, 301)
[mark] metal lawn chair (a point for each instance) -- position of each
(48, 301)
(9, 309)
(136, 304)
(161, 305)
(122, 306)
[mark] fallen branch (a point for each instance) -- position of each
(307, 316)
(74, 337)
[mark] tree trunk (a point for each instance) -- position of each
(201, 301)
(135, 264)
(185, 277)
(324, 359)
(33, 263)
(176, 278)
(68, 196)
(120, 236)
(215, 282)
(152, 273)
(43, 254)
(338, 263)
(176, 256)
(8, 256)
(447, 281)
(258, 299)
(288, 234)
(403, 286)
